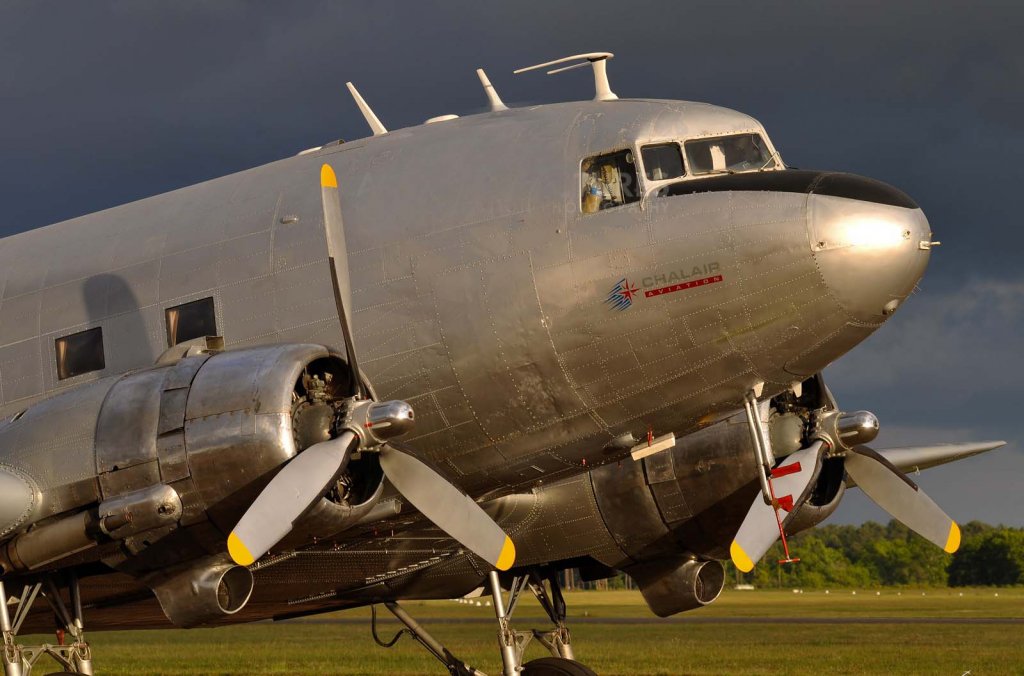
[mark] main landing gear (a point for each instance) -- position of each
(71, 652)
(511, 642)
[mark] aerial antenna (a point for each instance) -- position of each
(371, 119)
(492, 95)
(599, 61)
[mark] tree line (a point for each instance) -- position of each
(876, 555)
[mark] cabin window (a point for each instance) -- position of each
(80, 353)
(662, 161)
(191, 320)
(729, 154)
(609, 181)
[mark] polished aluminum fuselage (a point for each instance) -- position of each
(479, 286)
(481, 297)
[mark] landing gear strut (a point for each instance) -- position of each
(511, 642)
(74, 657)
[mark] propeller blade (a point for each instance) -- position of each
(296, 488)
(337, 254)
(893, 491)
(447, 507)
(792, 480)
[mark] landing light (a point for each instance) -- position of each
(874, 233)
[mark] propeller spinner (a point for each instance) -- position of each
(368, 427)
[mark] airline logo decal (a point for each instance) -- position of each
(625, 293)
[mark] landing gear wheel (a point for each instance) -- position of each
(555, 666)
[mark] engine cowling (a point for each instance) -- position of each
(178, 451)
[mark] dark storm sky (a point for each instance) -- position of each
(107, 102)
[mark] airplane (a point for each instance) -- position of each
(468, 354)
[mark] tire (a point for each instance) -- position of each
(555, 666)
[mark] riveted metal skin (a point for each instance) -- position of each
(126, 434)
(18, 499)
(53, 442)
(238, 424)
(486, 310)
(481, 298)
(171, 447)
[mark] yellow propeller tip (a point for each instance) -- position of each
(507, 556)
(239, 552)
(327, 177)
(953, 541)
(740, 558)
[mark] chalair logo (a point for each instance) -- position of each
(624, 293)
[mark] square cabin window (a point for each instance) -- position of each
(662, 161)
(80, 353)
(191, 320)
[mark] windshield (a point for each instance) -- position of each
(728, 154)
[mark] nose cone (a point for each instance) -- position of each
(870, 253)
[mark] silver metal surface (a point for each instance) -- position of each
(675, 586)
(481, 298)
(18, 499)
(759, 441)
(916, 458)
(207, 590)
(859, 427)
(49, 543)
(868, 253)
(238, 421)
(139, 511)
(903, 500)
(510, 645)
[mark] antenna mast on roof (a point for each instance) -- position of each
(371, 119)
(599, 61)
(492, 95)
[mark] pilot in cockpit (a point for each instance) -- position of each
(743, 154)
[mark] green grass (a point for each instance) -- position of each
(673, 647)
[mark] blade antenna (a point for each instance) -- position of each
(371, 118)
(597, 60)
(497, 105)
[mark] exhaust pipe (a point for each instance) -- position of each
(205, 591)
(674, 585)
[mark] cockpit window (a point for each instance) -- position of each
(729, 154)
(608, 181)
(662, 161)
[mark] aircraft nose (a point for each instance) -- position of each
(871, 246)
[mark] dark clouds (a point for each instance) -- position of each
(103, 103)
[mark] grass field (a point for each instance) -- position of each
(909, 632)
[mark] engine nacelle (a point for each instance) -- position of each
(203, 592)
(155, 452)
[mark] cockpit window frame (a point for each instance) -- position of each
(678, 143)
(772, 150)
(641, 190)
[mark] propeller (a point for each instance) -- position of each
(893, 491)
(293, 491)
(884, 483)
(371, 426)
(792, 481)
